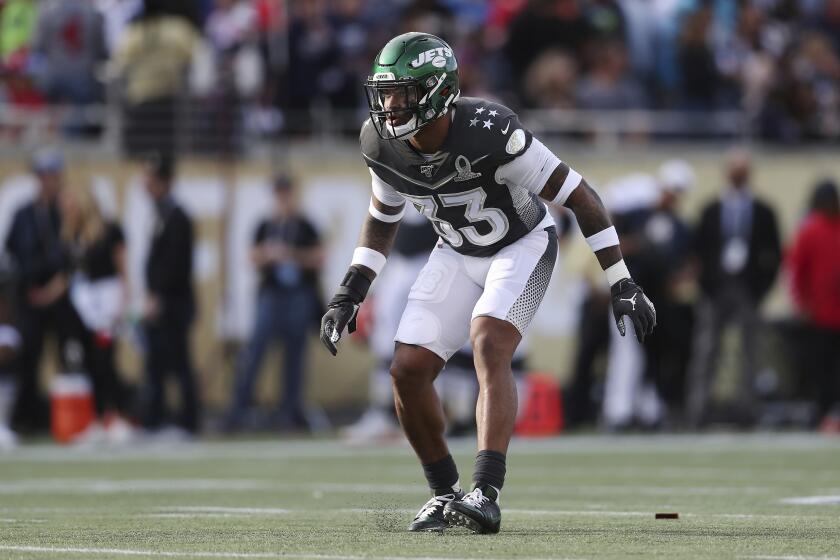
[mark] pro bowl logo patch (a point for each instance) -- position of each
(437, 57)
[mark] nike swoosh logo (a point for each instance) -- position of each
(507, 126)
(432, 186)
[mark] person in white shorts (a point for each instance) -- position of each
(483, 180)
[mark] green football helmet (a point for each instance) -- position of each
(414, 80)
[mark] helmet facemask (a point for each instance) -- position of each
(399, 108)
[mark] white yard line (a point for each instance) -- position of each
(290, 450)
(187, 511)
(200, 554)
(240, 510)
(99, 486)
(776, 474)
(812, 501)
(792, 557)
(214, 511)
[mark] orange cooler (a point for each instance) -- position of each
(71, 399)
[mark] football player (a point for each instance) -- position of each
(483, 180)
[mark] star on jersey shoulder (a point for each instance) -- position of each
(492, 113)
(487, 124)
(479, 110)
(473, 122)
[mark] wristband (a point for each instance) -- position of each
(603, 239)
(382, 216)
(617, 272)
(355, 286)
(370, 258)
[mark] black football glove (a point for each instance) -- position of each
(342, 310)
(629, 299)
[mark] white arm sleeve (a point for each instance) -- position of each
(385, 193)
(531, 170)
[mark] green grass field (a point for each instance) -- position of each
(760, 497)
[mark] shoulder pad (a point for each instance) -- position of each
(497, 127)
(369, 140)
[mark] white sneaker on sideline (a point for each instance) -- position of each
(8, 439)
(92, 436)
(119, 431)
(375, 426)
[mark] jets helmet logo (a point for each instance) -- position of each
(436, 56)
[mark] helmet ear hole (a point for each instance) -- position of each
(445, 91)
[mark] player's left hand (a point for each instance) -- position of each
(341, 313)
(629, 299)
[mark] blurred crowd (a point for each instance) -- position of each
(272, 66)
(63, 277)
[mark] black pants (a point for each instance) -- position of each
(824, 362)
(108, 390)
(668, 351)
(31, 410)
(150, 128)
(167, 353)
(580, 403)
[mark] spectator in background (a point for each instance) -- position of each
(98, 293)
(170, 302)
(550, 81)
(152, 58)
(814, 269)
(70, 47)
(34, 245)
(231, 25)
(287, 250)
(583, 393)
(353, 35)
(608, 85)
(272, 27)
(667, 240)
(17, 27)
(429, 16)
(746, 61)
(545, 24)
(630, 399)
(606, 19)
(828, 22)
(699, 81)
(738, 251)
(231, 32)
(312, 52)
(10, 344)
(816, 103)
(117, 14)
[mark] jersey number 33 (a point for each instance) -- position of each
(474, 212)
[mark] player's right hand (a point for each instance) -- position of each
(340, 315)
